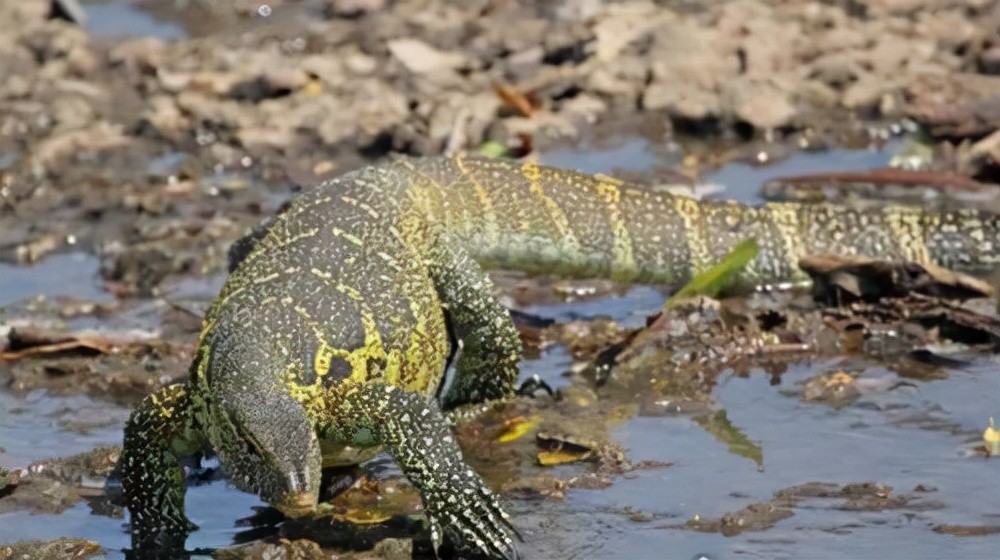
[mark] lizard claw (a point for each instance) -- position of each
(469, 516)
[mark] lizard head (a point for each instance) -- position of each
(269, 447)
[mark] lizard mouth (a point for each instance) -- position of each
(297, 505)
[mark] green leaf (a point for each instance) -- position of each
(719, 426)
(711, 282)
(492, 148)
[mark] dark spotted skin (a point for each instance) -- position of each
(329, 340)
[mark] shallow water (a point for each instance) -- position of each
(70, 275)
(126, 18)
(909, 436)
(741, 181)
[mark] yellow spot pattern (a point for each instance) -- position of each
(533, 173)
(786, 218)
(690, 213)
(485, 202)
(908, 232)
(324, 357)
(624, 267)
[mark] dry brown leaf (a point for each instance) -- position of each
(516, 100)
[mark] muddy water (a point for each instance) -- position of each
(915, 435)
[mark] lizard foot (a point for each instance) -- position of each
(470, 517)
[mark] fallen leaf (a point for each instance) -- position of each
(362, 516)
(838, 279)
(516, 100)
(991, 438)
(561, 457)
(874, 183)
(29, 342)
(517, 428)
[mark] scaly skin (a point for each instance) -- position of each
(329, 340)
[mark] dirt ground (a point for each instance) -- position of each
(156, 154)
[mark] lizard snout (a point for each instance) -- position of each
(297, 504)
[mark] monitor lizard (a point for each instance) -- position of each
(329, 340)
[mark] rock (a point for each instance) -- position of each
(330, 70)
(681, 100)
(71, 112)
(139, 270)
(15, 86)
(96, 137)
(256, 138)
(58, 549)
(69, 10)
(689, 67)
(377, 106)
(891, 54)
(865, 94)
(958, 104)
(420, 58)
(759, 38)
(584, 108)
(766, 108)
(525, 63)
(360, 63)
(461, 121)
(394, 549)
(353, 8)
(624, 77)
(836, 69)
(951, 29)
(816, 94)
(989, 60)
(165, 117)
(272, 81)
(285, 549)
(218, 83)
(567, 44)
(210, 109)
(284, 77)
(624, 23)
(520, 35)
(840, 38)
(82, 61)
(143, 54)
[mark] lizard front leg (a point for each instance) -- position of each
(413, 430)
(487, 367)
(159, 431)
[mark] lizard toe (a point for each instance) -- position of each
(473, 519)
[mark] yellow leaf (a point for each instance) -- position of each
(517, 428)
(363, 516)
(837, 378)
(991, 437)
(313, 88)
(553, 458)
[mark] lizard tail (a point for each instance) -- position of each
(520, 215)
